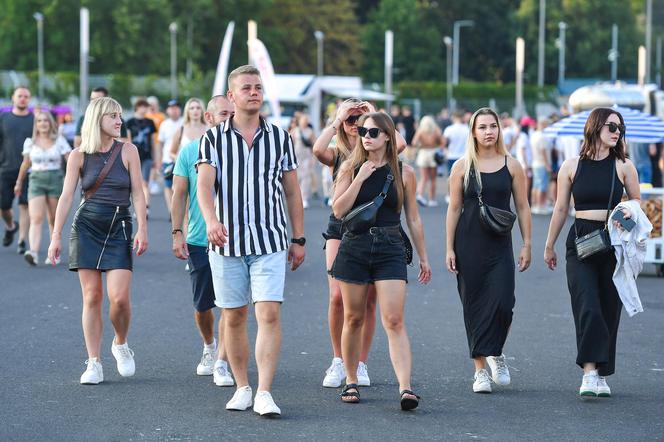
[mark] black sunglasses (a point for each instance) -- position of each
(613, 127)
(373, 132)
(352, 119)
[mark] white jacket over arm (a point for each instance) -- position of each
(630, 250)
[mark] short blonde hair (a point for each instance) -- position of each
(53, 127)
(91, 130)
(247, 69)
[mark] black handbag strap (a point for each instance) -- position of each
(613, 186)
(386, 186)
(477, 187)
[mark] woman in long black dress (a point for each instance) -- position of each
(483, 261)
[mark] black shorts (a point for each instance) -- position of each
(201, 278)
(333, 229)
(7, 183)
(377, 255)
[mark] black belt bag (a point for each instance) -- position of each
(598, 241)
(493, 219)
(362, 218)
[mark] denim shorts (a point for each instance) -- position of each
(201, 278)
(376, 255)
(540, 179)
(236, 277)
(146, 168)
(168, 182)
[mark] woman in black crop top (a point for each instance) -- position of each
(377, 256)
(344, 130)
(100, 239)
(595, 302)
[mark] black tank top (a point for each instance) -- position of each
(591, 186)
(388, 215)
(116, 187)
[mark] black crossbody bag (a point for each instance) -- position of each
(493, 219)
(597, 241)
(363, 217)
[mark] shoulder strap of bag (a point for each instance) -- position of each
(386, 186)
(477, 187)
(107, 168)
(613, 185)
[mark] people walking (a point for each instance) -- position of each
(251, 165)
(192, 128)
(101, 233)
(167, 131)
(141, 130)
(486, 178)
(428, 140)
(596, 180)
(303, 139)
(43, 154)
(193, 248)
(15, 127)
(334, 145)
(374, 251)
(454, 138)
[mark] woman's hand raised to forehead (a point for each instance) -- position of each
(367, 107)
(343, 112)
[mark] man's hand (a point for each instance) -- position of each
(217, 233)
(295, 256)
(180, 249)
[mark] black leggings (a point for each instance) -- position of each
(595, 303)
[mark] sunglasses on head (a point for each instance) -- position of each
(352, 119)
(373, 132)
(613, 127)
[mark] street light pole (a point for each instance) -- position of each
(448, 74)
(659, 62)
(562, 26)
(613, 53)
(173, 28)
(84, 57)
(389, 60)
(648, 38)
(540, 46)
(520, 63)
(320, 39)
(39, 17)
(457, 40)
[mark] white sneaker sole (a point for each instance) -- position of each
(238, 408)
(329, 384)
(228, 383)
(366, 383)
(204, 371)
(91, 382)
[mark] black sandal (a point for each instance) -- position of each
(408, 403)
(354, 395)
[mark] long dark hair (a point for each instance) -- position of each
(593, 127)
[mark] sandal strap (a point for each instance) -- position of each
(346, 393)
(408, 392)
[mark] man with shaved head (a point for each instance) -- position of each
(194, 248)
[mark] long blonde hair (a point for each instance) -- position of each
(91, 130)
(344, 148)
(470, 156)
(359, 155)
(187, 105)
(52, 130)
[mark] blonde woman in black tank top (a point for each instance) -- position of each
(596, 305)
(101, 233)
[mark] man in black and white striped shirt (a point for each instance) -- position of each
(246, 167)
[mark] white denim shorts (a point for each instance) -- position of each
(239, 280)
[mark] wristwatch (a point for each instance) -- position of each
(299, 241)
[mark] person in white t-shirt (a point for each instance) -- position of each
(43, 155)
(524, 153)
(510, 132)
(454, 141)
(541, 148)
(167, 131)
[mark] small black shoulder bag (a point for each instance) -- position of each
(494, 220)
(597, 241)
(363, 217)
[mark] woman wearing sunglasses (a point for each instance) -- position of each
(377, 256)
(596, 179)
(482, 259)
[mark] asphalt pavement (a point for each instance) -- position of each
(42, 356)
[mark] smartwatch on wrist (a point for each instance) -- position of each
(299, 241)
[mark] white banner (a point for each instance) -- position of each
(261, 59)
(222, 66)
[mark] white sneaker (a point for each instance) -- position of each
(334, 375)
(432, 203)
(125, 359)
(363, 375)
(264, 404)
(222, 377)
(421, 200)
(603, 389)
(31, 257)
(48, 262)
(305, 205)
(499, 371)
(589, 384)
(241, 400)
(482, 382)
(206, 366)
(93, 374)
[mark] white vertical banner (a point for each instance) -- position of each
(389, 61)
(84, 55)
(222, 65)
(261, 59)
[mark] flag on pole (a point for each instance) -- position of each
(261, 59)
(222, 66)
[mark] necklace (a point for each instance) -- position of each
(108, 156)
